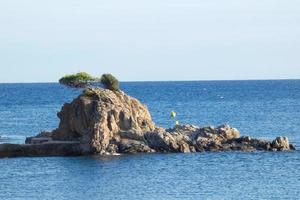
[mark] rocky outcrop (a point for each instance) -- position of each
(189, 138)
(282, 144)
(102, 121)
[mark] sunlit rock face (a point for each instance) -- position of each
(105, 121)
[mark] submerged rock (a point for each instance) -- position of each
(102, 121)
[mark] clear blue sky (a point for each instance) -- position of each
(149, 39)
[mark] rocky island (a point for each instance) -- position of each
(110, 122)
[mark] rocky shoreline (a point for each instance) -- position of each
(105, 122)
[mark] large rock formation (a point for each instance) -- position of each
(101, 121)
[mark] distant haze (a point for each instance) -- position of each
(40, 41)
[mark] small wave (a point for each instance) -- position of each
(12, 138)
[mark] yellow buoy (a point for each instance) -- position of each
(173, 114)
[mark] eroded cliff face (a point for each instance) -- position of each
(101, 121)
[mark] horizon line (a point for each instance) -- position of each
(203, 80)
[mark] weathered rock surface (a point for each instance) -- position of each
(101, 121)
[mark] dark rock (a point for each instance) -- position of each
(49, 149)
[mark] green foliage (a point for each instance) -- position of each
(110, 82)
(81, 79)
(89, 92)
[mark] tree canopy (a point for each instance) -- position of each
(110, 82)
(81, 80)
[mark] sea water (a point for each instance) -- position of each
(262, 109)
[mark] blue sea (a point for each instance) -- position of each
(262, 109)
